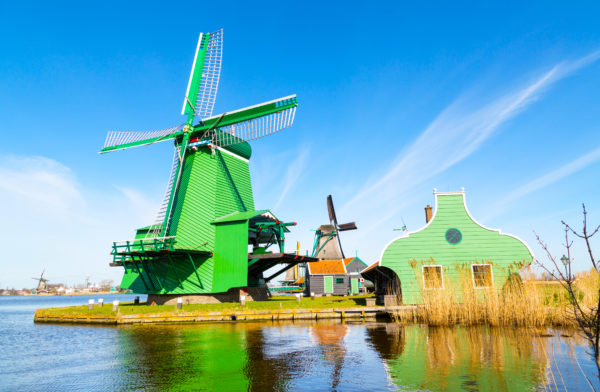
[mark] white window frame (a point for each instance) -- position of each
(491, 276)
(423, 273)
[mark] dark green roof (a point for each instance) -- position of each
(238, 216)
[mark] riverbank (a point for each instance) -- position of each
(277, 308)
(438, 310)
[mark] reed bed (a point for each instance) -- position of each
(517, 304)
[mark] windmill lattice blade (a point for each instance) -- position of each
(121, 140)
(211, 72)
(162, 211)
(254, 128)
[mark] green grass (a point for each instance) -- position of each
(275, 303)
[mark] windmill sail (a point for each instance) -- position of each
(204, 78)
(122, 140)
(157, 227)
(252, 122)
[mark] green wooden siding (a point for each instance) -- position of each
(233, 189)
(231, 256)
(194, 204)
(429, 246)
(211, 186)
(177, 276)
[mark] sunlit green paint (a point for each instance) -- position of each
(203, 254)
(196, 77)
(205, 125)
(428, 246)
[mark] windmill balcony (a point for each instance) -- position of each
(123, 250)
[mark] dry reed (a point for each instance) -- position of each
(518, 304)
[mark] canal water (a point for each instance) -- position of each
(308, 356)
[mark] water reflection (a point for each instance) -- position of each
(314, 356)
(477, 358)
(336, 356)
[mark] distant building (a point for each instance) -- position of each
(354, 266)
(335, 277)
(327, 277)
(451, 250)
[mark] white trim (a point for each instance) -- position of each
(496, 230)
(231, 153)
(436, 193)
(251, 107)
(187, 91)
(423, 273)
(491, 276)
(411, 232)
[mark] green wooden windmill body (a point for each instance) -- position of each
(199, 243)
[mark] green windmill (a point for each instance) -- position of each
(200, 240)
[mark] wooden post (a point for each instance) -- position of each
(242, 300)
(90, 304)
(100, 302)
(298, 297)
(136, 301)
(312, 295)
(179, 303)
(115, 305)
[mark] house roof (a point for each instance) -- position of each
(238, 216)
(327, 267)
(300, 280)
(375, 264)
(348, 261)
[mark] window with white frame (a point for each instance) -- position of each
(482, 275)
(432, 277)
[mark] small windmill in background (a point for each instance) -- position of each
(403, 228)
(327, 239)
(42, 282)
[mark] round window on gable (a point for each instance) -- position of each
(453, 236)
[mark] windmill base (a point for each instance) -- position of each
(232, 295)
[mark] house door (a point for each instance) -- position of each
(328, 280)
(354, 285)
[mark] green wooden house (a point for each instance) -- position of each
(451, 250)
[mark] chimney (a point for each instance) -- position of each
(428, 213)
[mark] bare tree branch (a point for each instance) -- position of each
(587, 318)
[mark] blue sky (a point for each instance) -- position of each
(394, 101)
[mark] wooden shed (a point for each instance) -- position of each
(451, 250)
(327, 277)
(354, 266)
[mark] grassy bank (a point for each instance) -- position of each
(275, 303)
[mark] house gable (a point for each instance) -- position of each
(356, 265)
(453, 240)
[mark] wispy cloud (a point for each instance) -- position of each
(47, 185)
(456, 133)
(292, 174)
(144, 208)
(546, 180)
(64, 227)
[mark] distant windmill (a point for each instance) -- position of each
(327, 240)
(42, 282)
